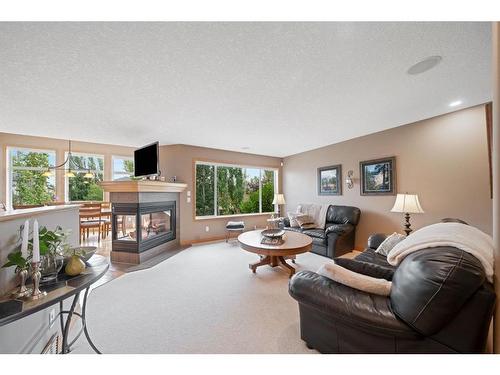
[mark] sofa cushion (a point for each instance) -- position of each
(343, 215)
(368, 269)
(370, 256)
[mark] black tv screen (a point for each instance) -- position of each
(146, 160)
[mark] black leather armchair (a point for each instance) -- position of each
(339, 234)
(440, 302)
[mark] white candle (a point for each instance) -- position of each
(24, 244)
(36, 244)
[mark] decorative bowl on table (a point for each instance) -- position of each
(273, 233)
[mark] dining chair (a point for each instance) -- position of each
(90, 218)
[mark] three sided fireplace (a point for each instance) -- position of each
(138, 227)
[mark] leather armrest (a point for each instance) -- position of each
(345, 304)
(375, 240)
(365, 268)
(339, 229)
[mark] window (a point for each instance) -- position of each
(236, 190)
(26, 184)
(80, 187)
(123, 168)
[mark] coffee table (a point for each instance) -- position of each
(274, 255)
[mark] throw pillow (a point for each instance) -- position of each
(365, 268)
(355, 280)
(305, 222)
(292, 217)
(389, 243)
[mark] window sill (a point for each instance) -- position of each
(231, 216)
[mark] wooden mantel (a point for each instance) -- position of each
(142, 186)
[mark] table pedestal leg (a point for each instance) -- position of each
(263, 261)
(286, 266)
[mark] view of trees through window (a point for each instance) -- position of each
(28, 186)
(239, 190)
(123, 168)
(80, 187)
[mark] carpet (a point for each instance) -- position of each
(202, 300)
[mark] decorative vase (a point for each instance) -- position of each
(75, 266)
(50, 265)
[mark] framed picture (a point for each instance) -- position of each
(378, 177)
(330, 180)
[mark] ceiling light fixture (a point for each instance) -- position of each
(455, 103)
(424, 65)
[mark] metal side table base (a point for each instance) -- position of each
(65, 325)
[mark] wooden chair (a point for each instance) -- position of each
(90, 218)
(106, 218)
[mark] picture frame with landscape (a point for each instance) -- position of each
(330, 180)
(378, 176)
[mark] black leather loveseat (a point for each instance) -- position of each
(440, 302)
(338, 236)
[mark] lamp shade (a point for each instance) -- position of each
(279, 199)
(407, 203)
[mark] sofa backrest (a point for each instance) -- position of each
(430, 286)
(343, 215)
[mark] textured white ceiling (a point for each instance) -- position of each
(276, 88)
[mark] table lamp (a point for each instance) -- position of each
(407, 204)
(279, 199)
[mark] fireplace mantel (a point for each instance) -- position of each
(142, 186)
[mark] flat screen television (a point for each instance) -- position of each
(146, 160)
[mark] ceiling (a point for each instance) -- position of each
(265, 88)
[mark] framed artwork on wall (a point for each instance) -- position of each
(330, 180)
(378, 177)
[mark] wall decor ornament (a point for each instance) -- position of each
(330, 180)
(378, 176)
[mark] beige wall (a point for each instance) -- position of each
(60, 146)
(444, 160)
(178, 160)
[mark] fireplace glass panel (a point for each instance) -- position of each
(155, 223)
(125, 228)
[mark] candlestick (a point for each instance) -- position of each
(36, 243)
(22, 291)
(36, 275)
(24, 244)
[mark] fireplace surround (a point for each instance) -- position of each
(138, 227)
(145, 219)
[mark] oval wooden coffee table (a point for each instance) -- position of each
(274, 255)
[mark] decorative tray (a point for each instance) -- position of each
(273, 233)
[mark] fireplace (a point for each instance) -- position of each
(141, 226)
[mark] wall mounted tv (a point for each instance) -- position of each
(146, 160)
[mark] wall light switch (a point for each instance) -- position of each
(188, 193)
(207, 229)
(188, 199)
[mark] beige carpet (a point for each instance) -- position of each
(202, 300)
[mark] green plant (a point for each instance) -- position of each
(50, 242)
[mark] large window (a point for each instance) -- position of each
(223, 189)
(82, 187)
(123, 168)
(26, 183)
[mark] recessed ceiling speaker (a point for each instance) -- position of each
(424, 65)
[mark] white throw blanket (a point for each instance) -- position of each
(461, 236)
(316, 211)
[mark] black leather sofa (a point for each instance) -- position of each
(440, 302)
(339, 234)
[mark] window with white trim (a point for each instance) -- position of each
(122, 168)
(225, 189)
(26, 184)
(87, 171)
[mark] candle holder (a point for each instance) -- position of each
(22, 291)
(36, 275)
